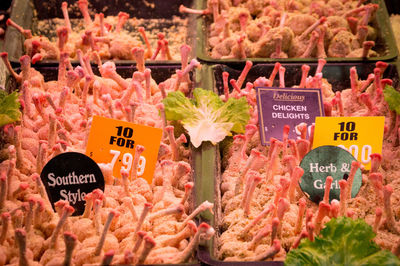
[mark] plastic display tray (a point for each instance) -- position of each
(27, 13)
(209, 168)
(159, 74)
(385, 43)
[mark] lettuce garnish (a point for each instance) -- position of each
(9, 108)
(206, 117)
(343, 241)
(392, 97)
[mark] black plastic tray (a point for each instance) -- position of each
(385, 44)
(208, 187)
(28, 12)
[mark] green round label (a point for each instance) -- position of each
(326, 161)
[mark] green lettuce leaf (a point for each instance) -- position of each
(207, 117)
(392, 97)
(343, 241)
(9, 108)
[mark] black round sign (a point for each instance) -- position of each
(70, 176)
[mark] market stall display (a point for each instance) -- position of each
(257, 197)
(132, 221)
(222, 193)
(112, 33)
(234, 31)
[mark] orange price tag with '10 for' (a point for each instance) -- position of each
(361, 136)
(114, 142)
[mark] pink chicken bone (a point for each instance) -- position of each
(297, 173)
(278, 48)
(36, 99)
(184, 9)
(149, 244)
(172, 142)
(188, 189)
(338, 101)
(366, 99)
(343, 196)
(146, 209)
(269, 253)
(107, 258)
(328, 184)
(323, 210)
(4, 57)
(122, 19)
(275, 225)
(185, 51)
(125, 181)
(64, 8)
(109, 71)
(282, 77)
(88, 205)
(249, 133)
(273, 153)
(335, 208)
(147, 77)
(302, 235)
(304, 72)
(300, 216)
(62, 34)
(285, 184)
(321, 53)
(5, 221)
(290, 162)
(377, 220)
(252, 181)
(129, 204)
(354, 81)
(158, 49)
(202, 207)
(107, 224)
(309, 225)
(376, 160)
(148, 52)
(389, 221)
(244, 73)
(20, 239)
(83, 6)
(255, 161)
(173, 240)
(259, 217)
(177, 210)
(66, 212)
(3, 189)
(264, 232)
(354, 167)
(139, 239)
(138, 54)
(138, 151)
(303, 146)
(26, 33)
(204, 231)
(311, 45)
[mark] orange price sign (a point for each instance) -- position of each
(114, 141)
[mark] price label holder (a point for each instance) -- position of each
(114, 141)
(326, 161)
(278, 107)
(70, 176)
(361, 136)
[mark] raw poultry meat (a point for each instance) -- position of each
(131, 221)
(281, 29)
(262, 206)
(104, 35)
